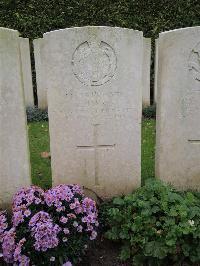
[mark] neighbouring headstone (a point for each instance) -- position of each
(178, 112)
(26, 72)
(95, 101)
(155, 70)
(146, 71)
(14, 155)
(40, 75)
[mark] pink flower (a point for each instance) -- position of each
(18, 257)
(3, 224)
(27, 213)
(71, 216)
(68, 263)
(37, 201)
(59, 209)
(72, 206)
(93, 235)
(24, 261)
(79, 210)
(8, 245)
(96, 223)
(18, 218)
(66, 231)
(80, 228)
(63, 220)
(89, 205)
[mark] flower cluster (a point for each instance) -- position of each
(47, 223)
(90, 216)
(3, 224)
(60, 194)
(23, 200)
(18, 257)
(27, 196)
(8, 245)
(44, 231)
(11, 250)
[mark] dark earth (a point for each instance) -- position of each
(103, 252)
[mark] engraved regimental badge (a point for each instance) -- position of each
(94, 63)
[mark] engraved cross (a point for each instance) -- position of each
(194, 141)
(96, 147)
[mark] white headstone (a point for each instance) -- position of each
(14, 154)
(155, 69)
(40, 78)
(94, 102)
(146, 71)
(26, 72)
(42, 93)
(178, 112)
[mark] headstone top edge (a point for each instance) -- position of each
(180, 30)
(46, 34)
(9, 30)
(147, 40)
(22, 38)
(37, 40)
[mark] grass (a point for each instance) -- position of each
(148, 149)
(39, 142)
(41, 167)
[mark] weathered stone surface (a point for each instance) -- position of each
(40, 74)
(14, 155)
(146, 71)
(155, 70)
(26, 72)
(42, 92)
(94, 102)
(178, 112)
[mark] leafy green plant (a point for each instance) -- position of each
(156, 225)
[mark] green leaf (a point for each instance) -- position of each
(125, 253)
(170, 242)
(118, 201)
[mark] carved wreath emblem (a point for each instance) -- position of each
(94, 63)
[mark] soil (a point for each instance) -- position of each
(103, 252)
